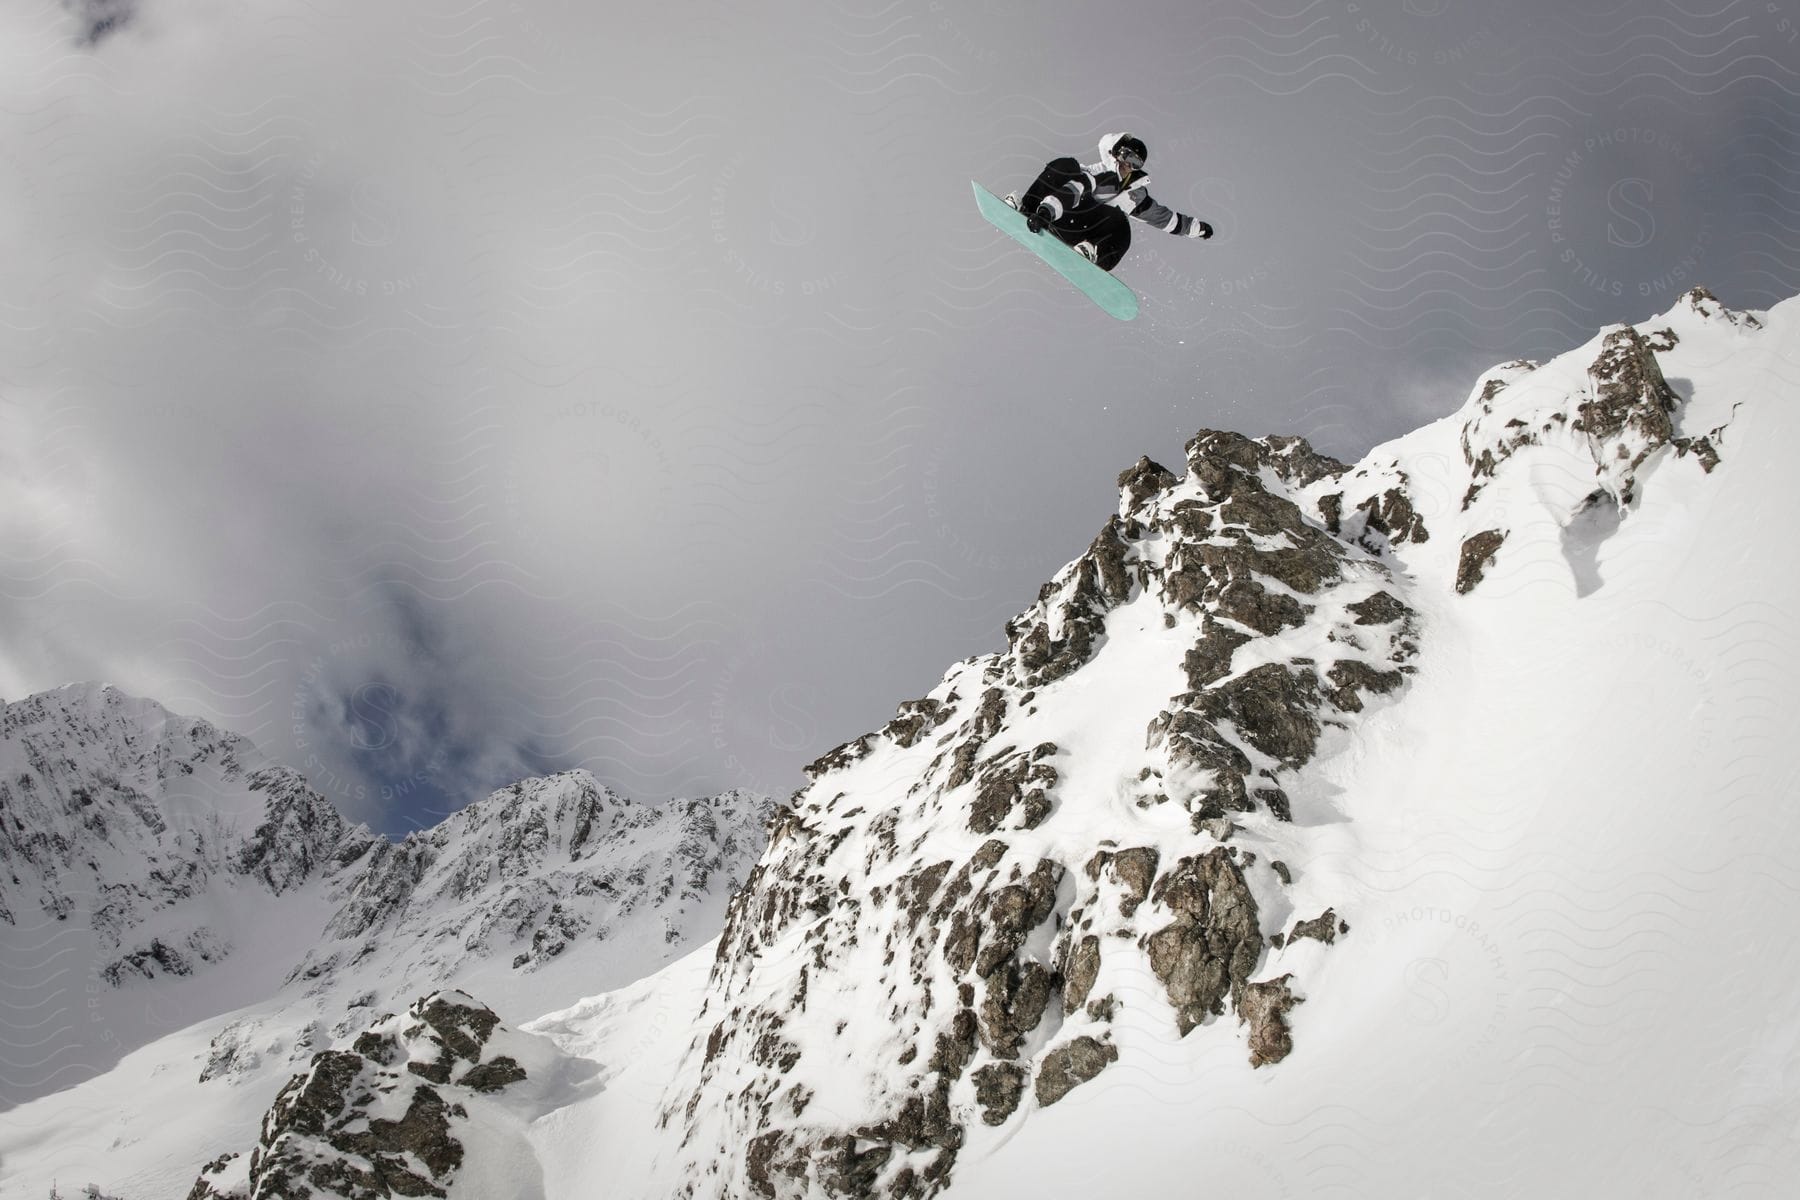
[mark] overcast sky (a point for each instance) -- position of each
(441, 393)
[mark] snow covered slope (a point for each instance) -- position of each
(954, 920)
(1421, 827)
(1568, 851)
(191, 925)
(1417, 827)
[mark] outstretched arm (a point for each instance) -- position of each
(1145, 208)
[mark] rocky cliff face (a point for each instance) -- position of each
(300, 837)
(1096, 824)
(1105, 800)
(1603, 428)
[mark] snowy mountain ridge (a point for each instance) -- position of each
(1091, 826)
(89, 770)
(1320, 829)
(537, 867)
(197, 882)
(1119, 830)
(153, 850)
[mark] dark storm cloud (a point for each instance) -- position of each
(442, 395)
(96, 19)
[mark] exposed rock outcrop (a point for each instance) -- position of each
(392, 1116)
(1478, 552)
(1325, 928)
(915, 867)
(1207, 952)
(1627, 416)
(1611, 421)
(1070, 1065)
(1264, 1007)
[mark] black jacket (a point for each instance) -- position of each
(1102, 183)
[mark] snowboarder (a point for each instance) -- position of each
(1086, 206)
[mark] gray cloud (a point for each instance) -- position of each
(443, 396)
(98, 19)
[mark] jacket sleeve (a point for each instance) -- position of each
(1145, 208)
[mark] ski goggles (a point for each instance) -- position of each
(1129, 158)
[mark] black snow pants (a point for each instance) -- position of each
(1102, 224)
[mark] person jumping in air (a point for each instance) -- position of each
(1086, 206)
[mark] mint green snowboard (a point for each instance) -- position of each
(1099, 286)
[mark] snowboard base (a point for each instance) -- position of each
(1113, 297)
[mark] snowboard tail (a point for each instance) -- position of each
(1101, 287)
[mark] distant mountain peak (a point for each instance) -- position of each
(173, 853)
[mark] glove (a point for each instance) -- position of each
(1036, 222)
(1200, 229)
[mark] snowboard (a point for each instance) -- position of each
(1099, 286)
